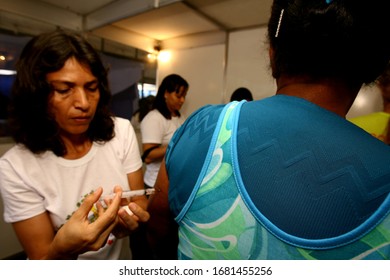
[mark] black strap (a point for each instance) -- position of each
(147, 152)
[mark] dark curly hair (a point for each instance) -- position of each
(346, 39)
(30, 121)
(241, 94)
(171, 83)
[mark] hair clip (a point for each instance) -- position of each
(279, 23)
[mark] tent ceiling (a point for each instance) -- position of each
(142, 24)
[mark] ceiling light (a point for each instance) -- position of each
(164, 56)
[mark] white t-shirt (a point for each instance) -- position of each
(155, 128)
(31, 184)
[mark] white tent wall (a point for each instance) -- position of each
(369, 100)
(248, 64)
(214, 72)
(203, 68)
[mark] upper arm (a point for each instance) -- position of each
(35, 234)
(162, 231)
(136, 182)
(152, 128)
(159, 204)
(153, 132)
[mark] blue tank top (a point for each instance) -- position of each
(223, 219)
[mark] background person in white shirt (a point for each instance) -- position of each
(158, 126)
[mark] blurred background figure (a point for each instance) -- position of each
(377, 124)
(159, 124)
(241, 93)
(145, 106)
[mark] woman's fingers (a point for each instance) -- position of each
(86, 206)
(109, 214)
(131, 221)
(139, 212)
(100, 230)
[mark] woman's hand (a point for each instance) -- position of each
(78, 235)
(130, 218)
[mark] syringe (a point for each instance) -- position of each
(129, 194)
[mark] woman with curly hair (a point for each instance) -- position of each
(70, 151)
